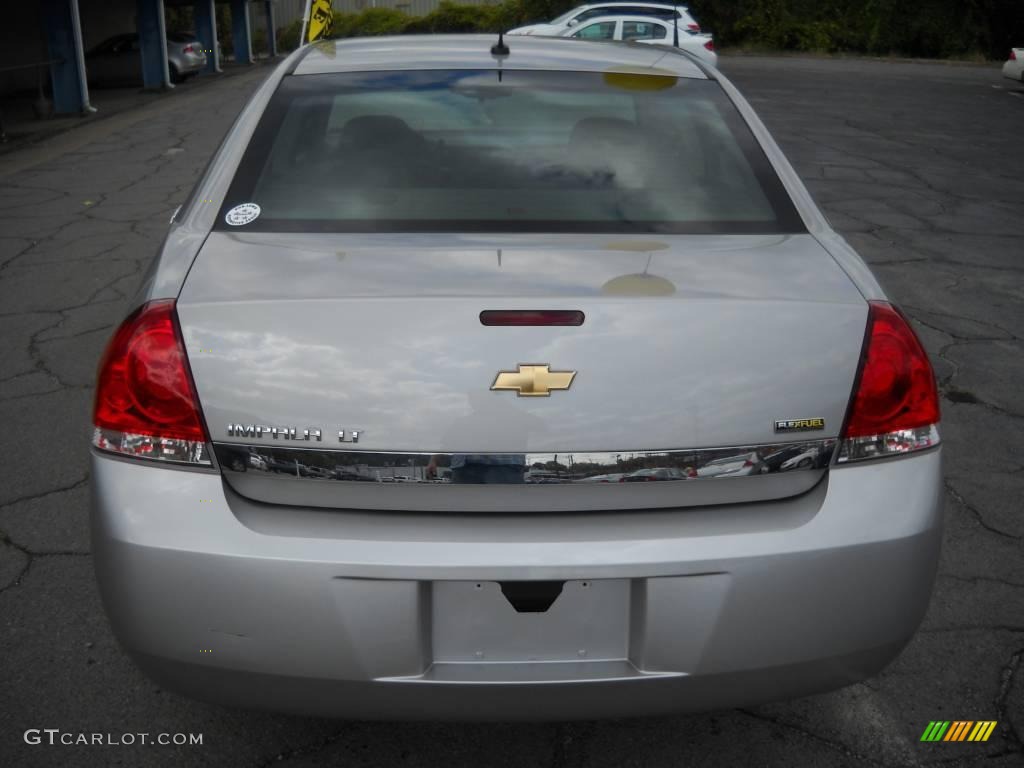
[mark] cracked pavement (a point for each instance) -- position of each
(918, 165)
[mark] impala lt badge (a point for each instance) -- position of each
(533, 380)
(258, 431)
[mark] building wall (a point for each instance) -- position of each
(21, 42)
(412, 7)
(289, 10)
(104, 18)
(23, 38)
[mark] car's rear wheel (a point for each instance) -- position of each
(175, 74)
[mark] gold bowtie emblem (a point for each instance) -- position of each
(533, 380)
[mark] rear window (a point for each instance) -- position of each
(512, 151)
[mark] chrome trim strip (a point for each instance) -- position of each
(889, 444)
(532, 468)
(166, 450)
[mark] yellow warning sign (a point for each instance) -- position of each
(320, 20)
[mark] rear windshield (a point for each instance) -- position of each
(512, 151)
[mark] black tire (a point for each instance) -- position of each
(175, 75)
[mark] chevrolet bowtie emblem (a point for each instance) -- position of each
(533, 380)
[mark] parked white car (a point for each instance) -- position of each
(580, 14)
(1014, 66)
(732, 466)
(641, 29)
(801, 460)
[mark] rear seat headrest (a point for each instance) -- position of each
(605, 130)
(368, 131)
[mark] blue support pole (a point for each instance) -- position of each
(241, 39)
(153, 44)
(64, 42)
(271, 29)
(206, 28)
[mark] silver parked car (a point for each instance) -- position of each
(486, 264)
(116, 61)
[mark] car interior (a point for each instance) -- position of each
(520, 155)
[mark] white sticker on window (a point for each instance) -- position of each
(242, 214)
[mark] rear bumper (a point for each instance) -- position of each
(710, 57)
(188, 64)
(1014, 70)
(401, 616)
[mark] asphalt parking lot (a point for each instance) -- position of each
(920, 166)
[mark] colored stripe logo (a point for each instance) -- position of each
(958, 730)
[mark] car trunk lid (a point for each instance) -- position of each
(690, 343)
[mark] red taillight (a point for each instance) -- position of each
(693, 27)
(188, 48)
(531, 317)
(710, 45)
(897, 386)
(895, 401)
(1013, 55)
(144, 392)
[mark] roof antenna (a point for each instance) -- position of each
(499, 49)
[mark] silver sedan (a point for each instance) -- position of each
(469, 264)
(116, 61)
